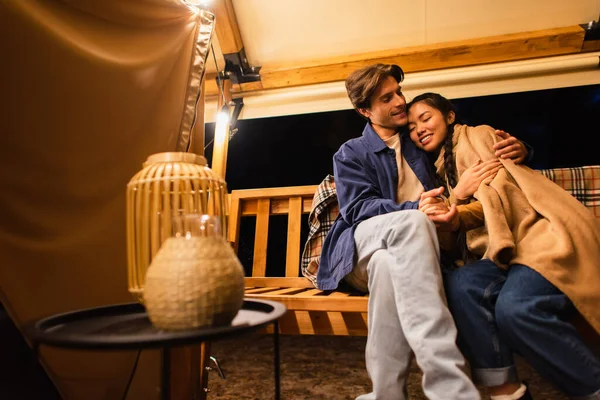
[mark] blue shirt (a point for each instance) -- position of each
(366, 178)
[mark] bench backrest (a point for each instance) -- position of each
(295, 201)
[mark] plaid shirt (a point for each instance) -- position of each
(323, 211)
(581, 182)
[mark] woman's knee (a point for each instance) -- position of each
(473, 284)
(456, 284)
(461, 282)
(511, 312)
(527, 299)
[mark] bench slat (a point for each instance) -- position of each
(310, 293)
(322, 323)
(273, 193)
(339, 294)
(258, 290)
(292, 263)
(249, 207)
(235, 216)
(298, 282)
(261, 238)
(290, 291)
(318, 303)
(328, 323)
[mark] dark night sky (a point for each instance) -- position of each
(560, 124)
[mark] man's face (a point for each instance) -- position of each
(388, 105)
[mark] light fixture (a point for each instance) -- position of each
(222, 126)
(225, 122)
(199, 2)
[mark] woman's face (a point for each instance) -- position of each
(427, 126)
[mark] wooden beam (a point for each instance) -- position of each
(226, 27)
(590, 45)
(271, 193)
(493, 49)
(221, 145)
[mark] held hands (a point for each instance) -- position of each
(481, 171)
(434, 206)
(510, 147)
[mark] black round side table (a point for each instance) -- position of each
(126, 326)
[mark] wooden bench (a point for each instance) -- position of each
(312, 311)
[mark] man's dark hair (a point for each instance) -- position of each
(361, 83)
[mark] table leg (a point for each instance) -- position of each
(185, 373)
(204, 370)
(276, 358)
(165, 387)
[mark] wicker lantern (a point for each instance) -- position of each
(195, 279)
(172, 182)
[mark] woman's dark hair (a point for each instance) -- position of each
(444, 106)
(361, 83)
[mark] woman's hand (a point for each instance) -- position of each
(510, 147)
(481, 171)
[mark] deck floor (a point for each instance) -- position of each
(312, 367)
(316, 368)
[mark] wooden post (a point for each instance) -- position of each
(220, 147)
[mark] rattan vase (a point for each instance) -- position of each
(168, 183)
(195, 279)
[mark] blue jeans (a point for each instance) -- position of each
(500, 311)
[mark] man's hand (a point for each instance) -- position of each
(434, 206)
(431, 198)
(481, 171)
(510, 147)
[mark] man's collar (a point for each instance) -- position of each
(374, 142)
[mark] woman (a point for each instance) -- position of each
(538, 258)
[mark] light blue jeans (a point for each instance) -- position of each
(398, 263)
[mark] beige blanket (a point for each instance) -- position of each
(531, 220)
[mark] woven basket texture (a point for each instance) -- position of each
(194, 282)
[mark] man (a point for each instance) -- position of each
(381, 243)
